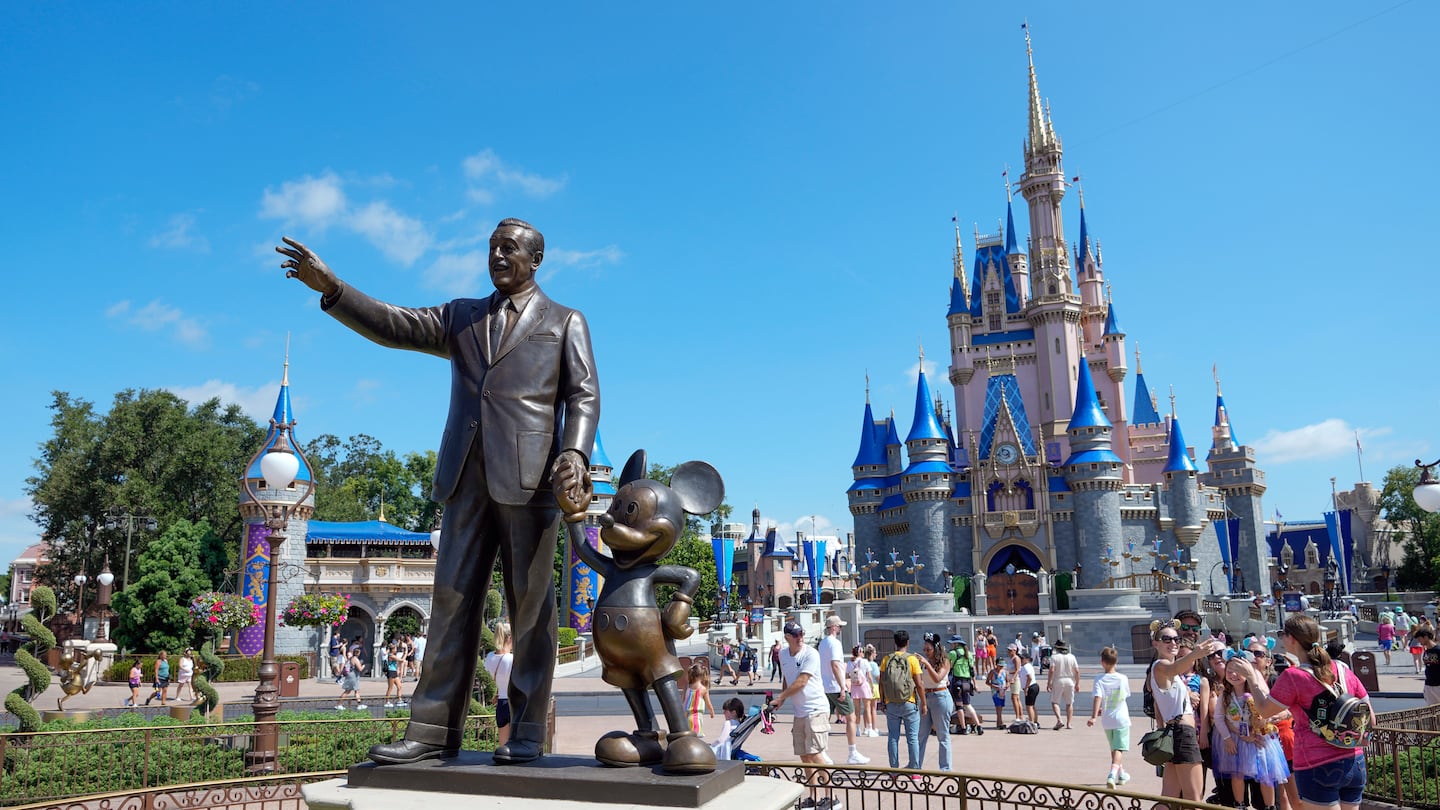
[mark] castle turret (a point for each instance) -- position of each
(870, 470)
(256, 562)
(1094, 473)
(925, 484)
(1148, 434)
(1181, 481)
(1234, 472)
(1019, 262)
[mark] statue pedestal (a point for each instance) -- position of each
(552, 782)
(72, 715)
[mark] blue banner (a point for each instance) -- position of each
(815, 566)
(1332, 527)
(1222, 533)
(724, 564)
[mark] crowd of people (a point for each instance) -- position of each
(400, 660)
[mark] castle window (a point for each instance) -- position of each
(1057, 340)
(992, 299)
(994, 323)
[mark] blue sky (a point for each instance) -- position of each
(751, 202)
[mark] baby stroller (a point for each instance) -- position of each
(731, 747)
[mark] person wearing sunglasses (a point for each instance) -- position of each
(1189, 624)
(1183, 776)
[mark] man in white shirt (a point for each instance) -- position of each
(419, 655)
(800, 664)
(837, 683)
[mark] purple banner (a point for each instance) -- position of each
(584, 584)
(255, 575)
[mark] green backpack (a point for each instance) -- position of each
(896, 682)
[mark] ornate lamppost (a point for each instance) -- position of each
(114, 519)
(106, 579)
(279, 466)
(80, 580)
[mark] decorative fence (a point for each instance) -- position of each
(1402, 759)
(883, 789)
(1147, 581)
(879, 590)
(59, 765)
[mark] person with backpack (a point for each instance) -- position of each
(900, 689)
(1183, 777)
(1332, 713)
(963, 667)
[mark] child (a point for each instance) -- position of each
(1111, 691)
(767, 714)
(696, 696)
(996, 681)
(393, 659)
(734, 713)
(1250, 746)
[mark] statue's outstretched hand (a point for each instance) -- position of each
(306, 266)
(570, 478)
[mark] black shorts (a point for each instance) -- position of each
(961, 690)
(1032, 693)
(502, 713)
(1187, 745)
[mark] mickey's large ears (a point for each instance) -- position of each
(635, 468)
(699, 486)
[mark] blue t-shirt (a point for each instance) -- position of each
(162, 670)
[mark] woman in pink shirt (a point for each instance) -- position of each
(1386, 632)
(1327, 776)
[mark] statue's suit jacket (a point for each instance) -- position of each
(527, 400)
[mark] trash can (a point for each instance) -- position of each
(289, 679)
(1363, 664)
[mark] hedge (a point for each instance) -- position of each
(237, 668)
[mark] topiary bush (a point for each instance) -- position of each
(42, 605)
(568, 636)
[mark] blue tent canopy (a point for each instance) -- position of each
(363, 531)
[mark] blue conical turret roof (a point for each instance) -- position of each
(1179, 460)
(891, 435)
(597, 453)
(871, 449)
(1083, 250)
(1112, 325)
(1222, 417)
(957, 299)
(1144, 410)
(925, 424)
(1010, 244)
(1088, 412)
(282, 417)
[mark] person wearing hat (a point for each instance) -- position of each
(1029, 687)
(837, 683)
(800, 664)
(1064, 675)
(962, 684)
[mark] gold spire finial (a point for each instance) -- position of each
(1109, 293)
(1138, 368)
(285, 377)
(1005, 175)
(867, 386)
(1038, 131)
(1079, 183)
(1215, 372)
(1172, 400)
(922, 356)
(382, 507)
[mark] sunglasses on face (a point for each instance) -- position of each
(1194, 628)
(1260, 653)
(1169, 639)
(1216, 654)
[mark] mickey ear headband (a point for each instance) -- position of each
(1241, 654)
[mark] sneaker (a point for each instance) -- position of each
(339, 707)
(857, 758)
(1124, 777)
(806, 804)
(360, 707)
(829, 804)
(1110, 780)
(979, 729)
(1059, 724)
(389, 705)
(402, 704)
(874, 733)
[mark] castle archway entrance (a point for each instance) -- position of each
(1011, 585)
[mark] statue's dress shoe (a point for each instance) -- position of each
(399, 753)
(516, 752)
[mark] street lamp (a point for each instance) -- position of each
(114, 519)
(279, 466)
(1427, 491)
(80, 580)
(106, 579)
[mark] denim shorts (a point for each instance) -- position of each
(1340, 781)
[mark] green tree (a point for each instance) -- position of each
(150, 454)
(154, 611)
(354, 478)
(1416, 530)
(401, 622)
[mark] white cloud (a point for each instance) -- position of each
(258, 402)
(458, 273)
(488, 174)
(1328, 439)
(179, 236)
(610, 254)
(912, 372)
(157, 316)
(315, 202)
(321, 202)
(401, 238)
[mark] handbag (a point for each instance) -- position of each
(1158, 747)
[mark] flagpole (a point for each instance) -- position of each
(1359, 456)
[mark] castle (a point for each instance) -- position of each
(1044, 480)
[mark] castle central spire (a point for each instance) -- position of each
(1042, 132)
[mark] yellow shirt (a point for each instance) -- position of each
(914, 672)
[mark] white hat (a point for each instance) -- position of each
(834, 621)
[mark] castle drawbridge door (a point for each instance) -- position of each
(1011, 586)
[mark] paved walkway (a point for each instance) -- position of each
(1074, 756)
